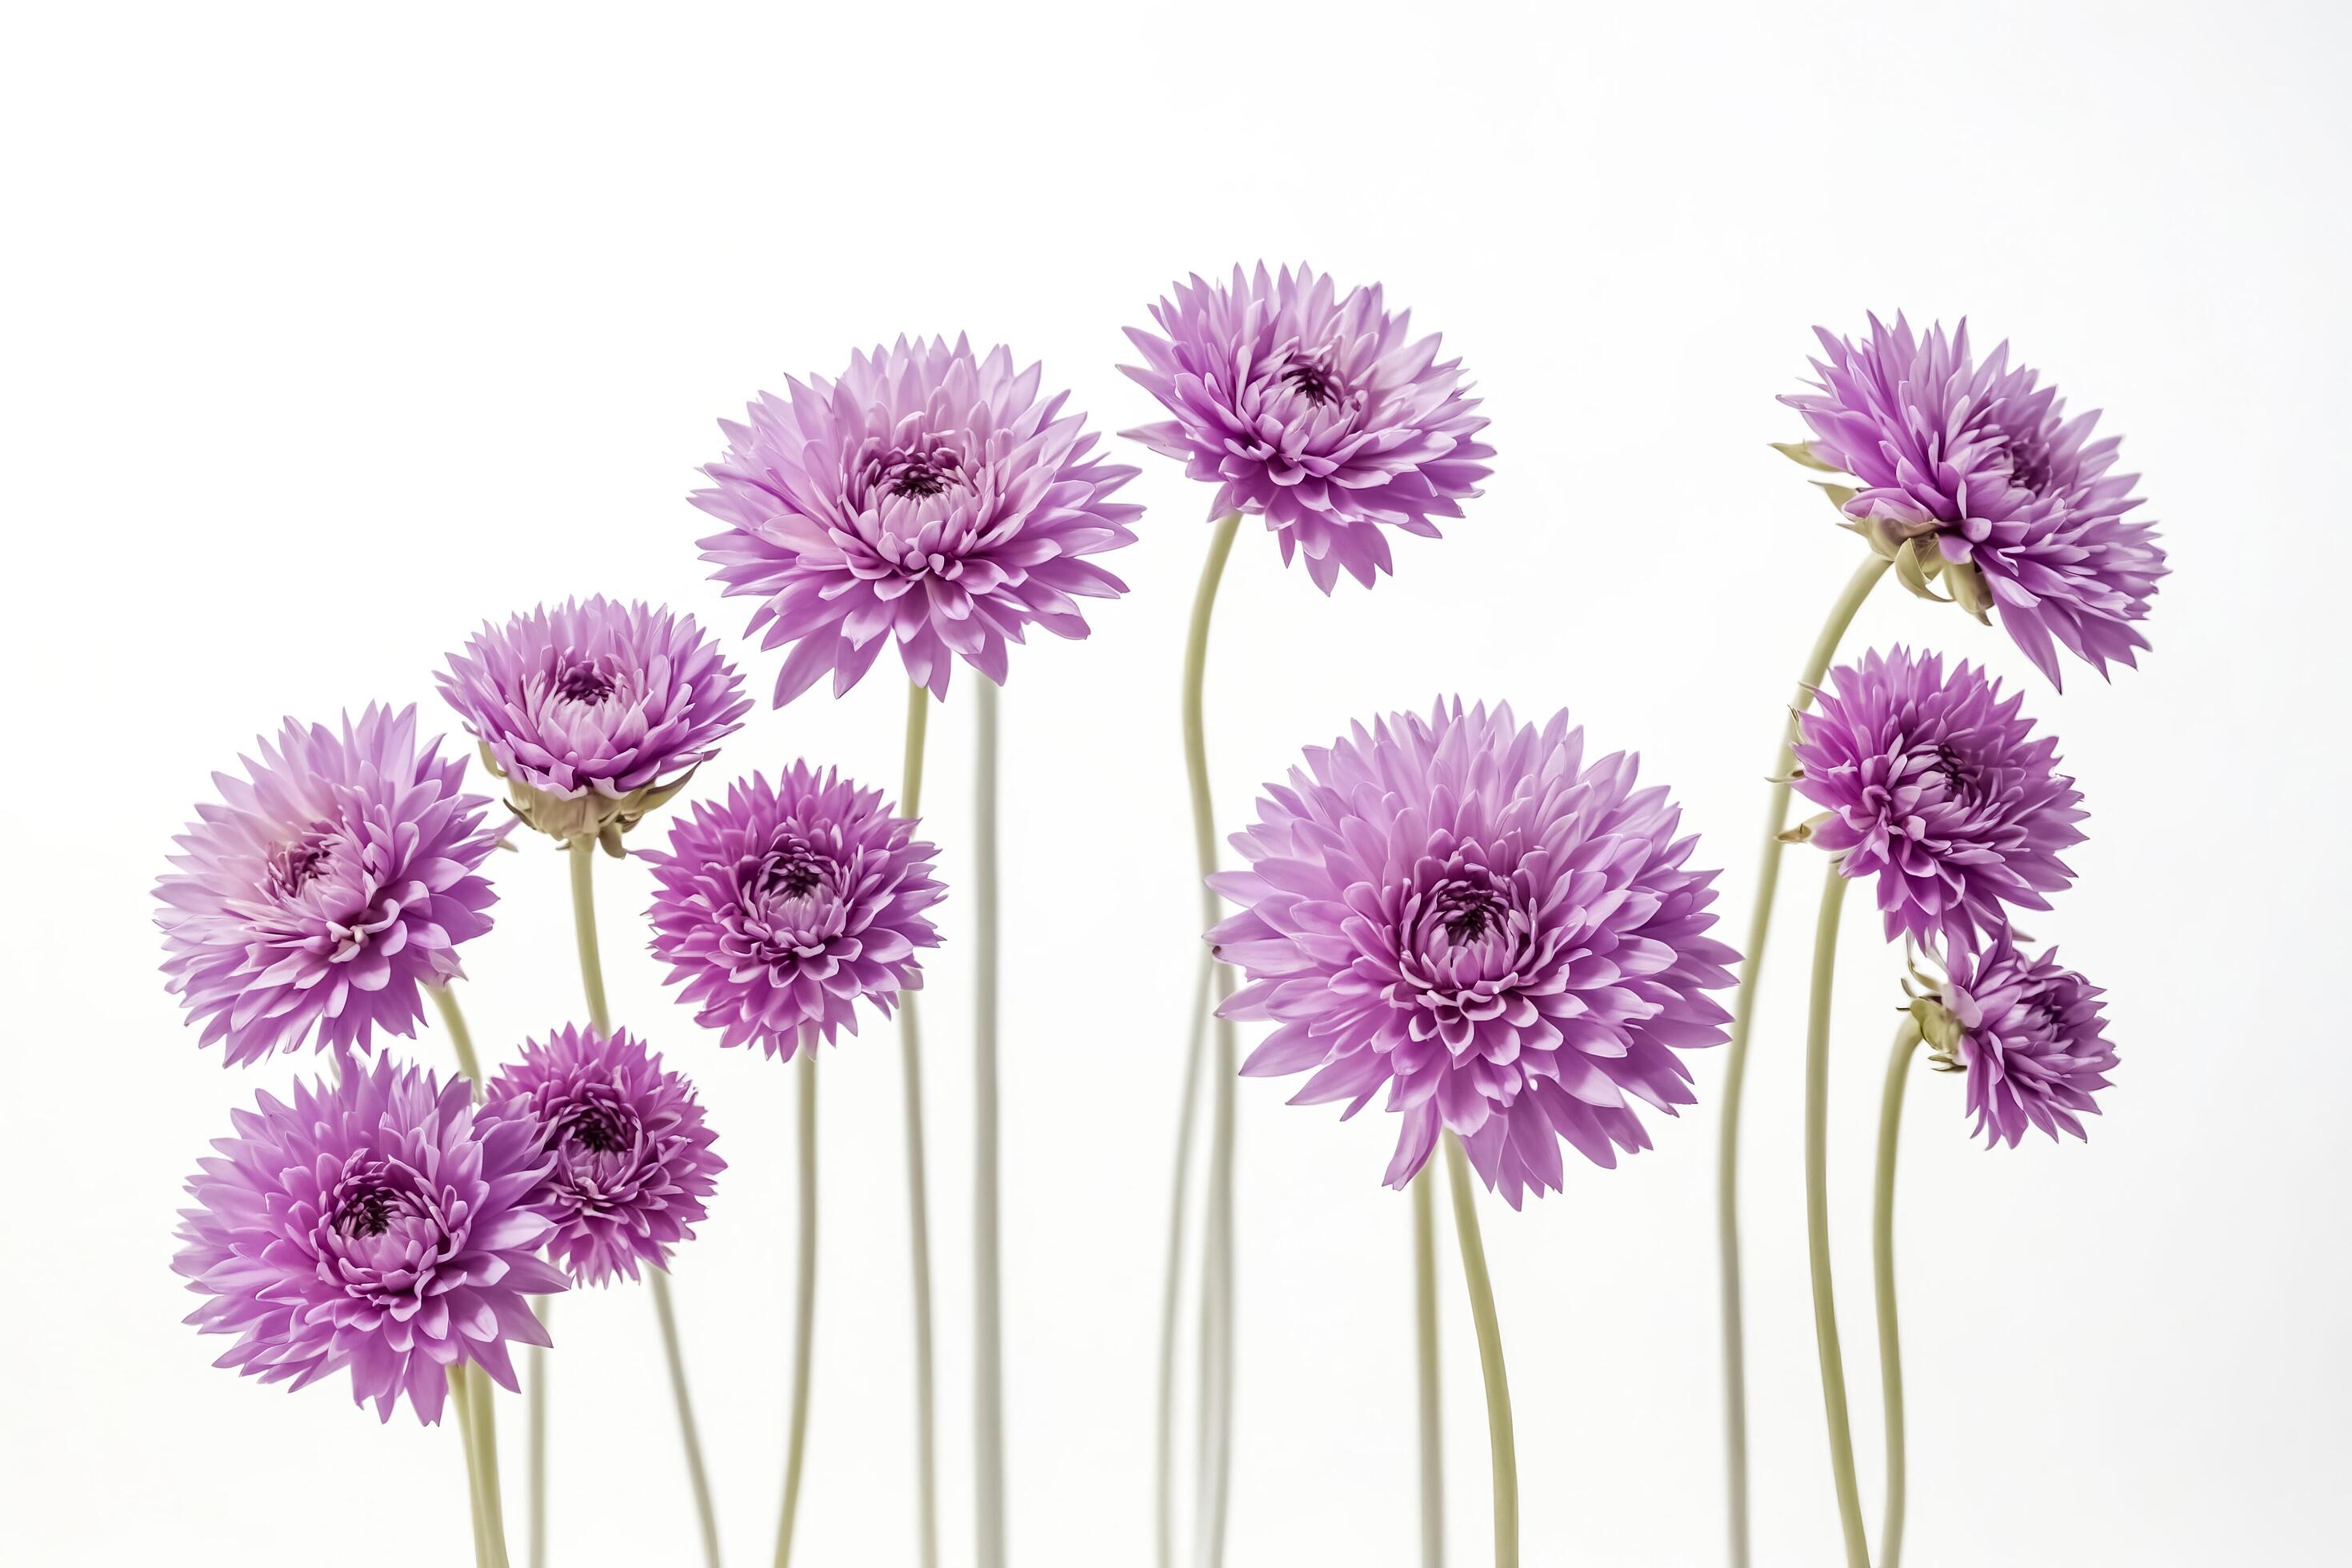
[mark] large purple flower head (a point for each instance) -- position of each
(929, 499)
(632, 1161)
(1462, 910)
(2030, 1033)
(1317, 411)
(779, 908)
(1940, 789)
(2017, 501)
(595, 712)
(383, 1223)
(323, 889)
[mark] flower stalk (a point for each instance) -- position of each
(803, 1312)
(1817, 1218)
(1425, 1339)
(919, 1224)
(1502, 1445)
(1882, 1257)
(988, 1285)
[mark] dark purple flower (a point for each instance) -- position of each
(2030, 1034)
(1465, 913)
(383, 1224)
(927, 499)
(632, 1161)
(782, 907)
(325, 888)
(1317, 411)
(1940, 790)
(2017, 498)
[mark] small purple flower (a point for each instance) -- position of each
(779, 908)
(1319, 411)
(1940, 790)
(927, 499)
(383, 1224)
(325, 888)
(2030, 1034)
(594, 712)
(1464, 911)
(632, 1161)
(2017, 498)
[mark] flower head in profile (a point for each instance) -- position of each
(781, 907)
(2030, 1034)
(1464, 911)
(383, 1224)
(633, 1164)
(314, 898)
(594, 712)
(1938, 788)
(1972, 475)
(930, 499)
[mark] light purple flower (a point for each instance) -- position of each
(1939, 789)
(1983, 461)
(927, 499)
(325, 888)
(782, 907)
(594, 712)
(1317, 411)
(1464, 911)
(382, 1225)
(632, 1161)
(2030, 1034)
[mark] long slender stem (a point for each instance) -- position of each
(461, 1039)
(1735, 1078)
(483, 1402)
(674, 1357)
(804, 1310)
(1502, 1445)
(1172, 1291)
(1882, 1257)
(534, 1474)
(583, 931)
(461, 1406)
(1424, 1341)
(987, 1314)
(470, 1392)
(1817, 1218)
(919, 1222)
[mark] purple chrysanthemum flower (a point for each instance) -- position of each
(1505, 937)
(632, 1161)
(1319, 411)
(2030, 1033)
(1939, 789)
(383, 1224)
(594, 712)
(2014, 494)
(927, 499)
(325, 888)
(782, 907)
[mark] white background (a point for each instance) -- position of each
(329, 335)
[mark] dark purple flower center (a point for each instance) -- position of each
(598, 1129)
(1317, 383)
(791, 869)
(293, 866)
(1959, 778)
(366, 1207)
(582, 682)
(929, 471)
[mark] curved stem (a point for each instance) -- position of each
(987, 1316)
(583, 931)
(1817, 1218)
(675, 1358)
(1425, 1338)
(1172, 1270)
(1735, 1078)
(918, 1221)
(1502, 1446)
(1881, 1257)
(461, 1039)
(461, 1406)
(803, 1309)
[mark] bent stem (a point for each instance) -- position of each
(987, 1316)
(1425, 1338)
(1735, 1079)
(918, 1223)
(705, 1518)
(1882, 1257)
(1817, 1218)
(1502, 1446)
(803, 1309)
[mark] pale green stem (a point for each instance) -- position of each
(1735, 1078)
(583, 931)
(535, 1455)
(1882, 1249)
(1502, 1445)
(918, 1223)
(804, 1310)
(461, 1406)
(987, 1314)
(469, 1389)
(483, 1404)
(1172, 1290)
(461, 1039)
(1817, 1218)
(705, 1517)
(1425, 1339)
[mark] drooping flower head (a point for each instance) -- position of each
(594, 712)
(324, 887)
(2030, 1034)
(1938, 788)
(633, 1163)
(383, 1224)
(929, 499)
(1464, 911)
(781, 909)
(1317, 411)
(2018, 502)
